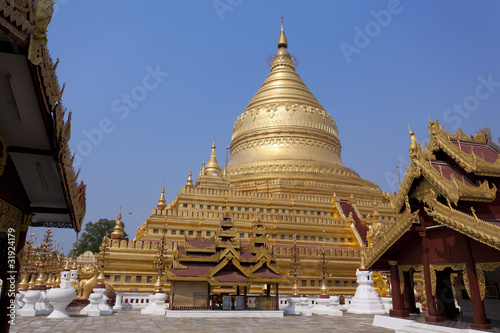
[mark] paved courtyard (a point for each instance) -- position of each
(133, 321)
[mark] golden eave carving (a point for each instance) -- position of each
(406, 268)
(16, 17)
(386, 236)
(480, 269)
(454, 266)
(466, 224)
(453, 189)
(441, 139)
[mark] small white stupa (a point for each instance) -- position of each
(366, 299)
(60, 297)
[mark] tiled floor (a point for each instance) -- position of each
(133, 321)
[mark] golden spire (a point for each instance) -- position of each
(213, 167)
(162, 203)
(118, 229)
(190, 180)
(282, 58)
(282, 38)
(68, 261)
(73, 266)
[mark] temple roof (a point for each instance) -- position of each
(35, 127)
(453, 179)
(219, 261)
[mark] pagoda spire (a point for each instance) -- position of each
(118, 229)
(282, 58)
(190, 180)
(282, 38)
(162, 202)
(213, 167)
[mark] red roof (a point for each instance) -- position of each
(246, 254)
(193, 270)
(265, 273)
(193, 254)
(480, 150)
(447, 170)
(200, 244)
(230, 276)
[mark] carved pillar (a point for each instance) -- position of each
(478, 312)
(409, 295)
(431, 302)
(397, 299)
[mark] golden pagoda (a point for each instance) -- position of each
(286, 175)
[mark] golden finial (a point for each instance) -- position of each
(282, 38)
(413, 143)
(118, 229)
(67, 266)
(162, 202)
(190, 180)
(73, 266)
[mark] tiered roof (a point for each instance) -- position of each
(221, 260)
(454, 176)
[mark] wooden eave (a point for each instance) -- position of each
(468, 224)
(470, 162)
(386, 236)
(454, 189)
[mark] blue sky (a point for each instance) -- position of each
(151, 83)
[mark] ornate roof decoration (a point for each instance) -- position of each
(17, 17)
(27, 21)
(428, 179)
(468, 224)
(443, 177)
(220, 260)
(473, 153)
(386, 235)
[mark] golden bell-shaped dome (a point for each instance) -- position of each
(284, 132)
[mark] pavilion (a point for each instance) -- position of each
(448, 228)
(203, 267)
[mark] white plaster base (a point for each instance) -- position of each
(298, 306)
(224, 314)
(156, 306)
(324, 306)
(92, 310)
(59, 298)
(118, 301)
(42, 305)
(387, 301)
(30, 298)
(104, 307)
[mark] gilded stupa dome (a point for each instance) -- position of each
(285, 135)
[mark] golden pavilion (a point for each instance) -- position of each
(286, 174)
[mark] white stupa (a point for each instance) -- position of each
(366, 299)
